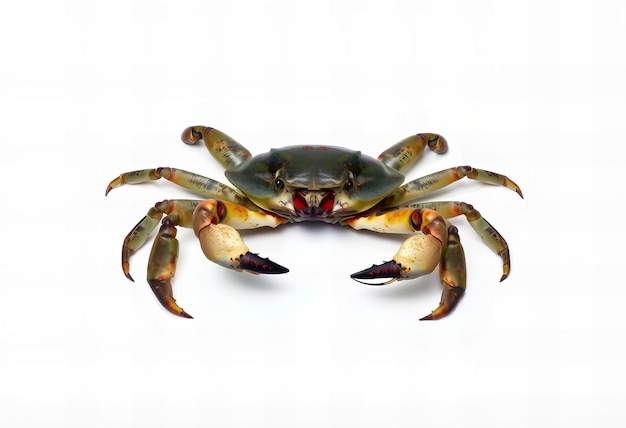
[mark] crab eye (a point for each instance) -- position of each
(279, 183)
(349, 185)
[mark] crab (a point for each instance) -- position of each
(321, 183)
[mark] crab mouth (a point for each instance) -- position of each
(313, 203)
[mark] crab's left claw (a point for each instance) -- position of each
(418, 256)
(223, 245)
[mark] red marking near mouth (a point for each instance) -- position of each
(305, 211)
(327, 202)
(299, 203)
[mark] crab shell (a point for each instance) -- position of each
(320, 183)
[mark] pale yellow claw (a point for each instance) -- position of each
(419, 255)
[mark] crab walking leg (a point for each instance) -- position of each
(418, 254)
(226, 150)
(420, 187)
(162, 265)
(214, 223)
(204, 186)
(453, 276)
(401, 156)
(137, 237)
(490, 236)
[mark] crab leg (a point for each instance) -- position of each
(490, 236)
(402, 155)
(214, 223)
(180, 212)
(453, 276)
(162, 265)
(197, 183)
(164, 253)
(420, 187)
(226, 150)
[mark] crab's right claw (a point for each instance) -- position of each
(223, 245)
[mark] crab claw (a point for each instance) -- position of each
(418, 256)
(223, 245)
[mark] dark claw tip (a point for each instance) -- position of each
(428, 317)
(185, 315)
(253, 263)
(505, 276)
(389, 269)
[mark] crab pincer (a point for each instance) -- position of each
(451, 268)
(223, 245)
(420, 254)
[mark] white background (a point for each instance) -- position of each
(531, 89)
